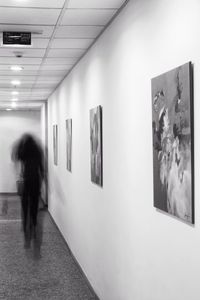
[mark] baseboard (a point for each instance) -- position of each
(8, 194)
(75, 260)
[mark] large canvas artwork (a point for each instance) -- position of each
(69, 144)
(172, 110)
(96, 145)
(55, 144)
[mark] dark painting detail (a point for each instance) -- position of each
(172, 110)
(96, 145)
(55, 144)
(69, 144)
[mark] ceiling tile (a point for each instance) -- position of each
(65, 52)
(39, 98)
(71, 43)
(8, 84)
(60, 73)
(33, 3)
(87, 17)
(38, 31)
(10, 88)
(49, 78)
(8, 95)
(41, 91)
(60, 61)
(32, 98)
(95, 3)
(9, 73)
(29, 16)
(27, 52)
(40, 43)
(78, 31)
(8, 99)
(23, 105)
(8, 80)
(20, 61)
(47, 81)
(55, 67)
(24, 78)
(26, 67)
(24, 91)
(45, 85)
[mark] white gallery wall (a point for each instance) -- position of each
(127, 248)
(43, 124)
(12, 125)
(44, 139)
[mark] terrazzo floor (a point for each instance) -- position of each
(26, 276)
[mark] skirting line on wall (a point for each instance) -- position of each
(75, 260)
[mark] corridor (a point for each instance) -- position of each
(26, 275)
(99, 103)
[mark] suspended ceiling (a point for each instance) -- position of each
(62, 30)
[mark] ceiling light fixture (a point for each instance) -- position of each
(16, 68)
(15, 99)
(15, 82)
(15, 93)
(13, 105)
(18, 54)
(8, 109)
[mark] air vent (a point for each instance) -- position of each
(16, 39)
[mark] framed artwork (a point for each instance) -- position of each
(96, 145)
(69, 144)
(55, 144)
(173, 150)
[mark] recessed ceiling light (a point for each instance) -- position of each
(13, 105)
(8, 109)
(15, 99)
(16, 68)
(15, 82)
(15, 93)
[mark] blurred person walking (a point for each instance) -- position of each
(28, 152)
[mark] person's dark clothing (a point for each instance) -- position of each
(28, 151)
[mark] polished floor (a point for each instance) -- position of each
(29, 274)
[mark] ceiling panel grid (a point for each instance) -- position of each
(62, 31)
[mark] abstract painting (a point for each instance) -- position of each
(69, 144)
(96, 145)
(55, 144)
(173, 154)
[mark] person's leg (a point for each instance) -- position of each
(36, 229)
(26, 218)
(24, 205)
(34, 208)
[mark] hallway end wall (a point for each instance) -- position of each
(127, 248)
(12, 125)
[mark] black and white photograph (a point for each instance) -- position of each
(172, 112)
(69, 144)
(55, 144)
(96, 145)
(99, 149)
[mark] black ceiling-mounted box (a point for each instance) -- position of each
(16, 38)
